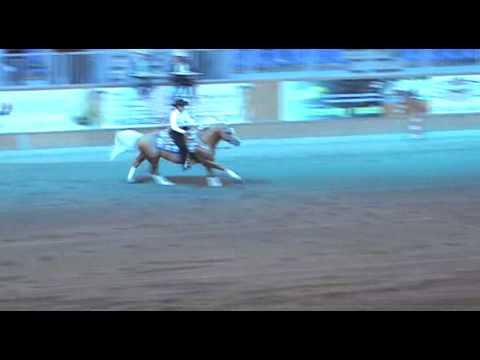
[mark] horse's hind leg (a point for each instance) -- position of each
(154, 163)
(212, 180)
(131, 174)
(231, 173)
(157, 178)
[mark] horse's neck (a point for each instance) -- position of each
(211, 138)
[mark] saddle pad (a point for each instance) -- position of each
(166, 143)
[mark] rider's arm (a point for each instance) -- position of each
(173, 122)
(189, 118)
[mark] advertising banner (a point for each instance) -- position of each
(107, 108)
(337, 99)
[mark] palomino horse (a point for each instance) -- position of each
(203, 154)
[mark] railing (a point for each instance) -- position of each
(116, 67)
(439, 57)
(47, 69)
(91, 68)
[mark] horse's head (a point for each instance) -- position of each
(228, 134)
(212, 135)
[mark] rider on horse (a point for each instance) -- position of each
(180, 123)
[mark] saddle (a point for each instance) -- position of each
(165, 142)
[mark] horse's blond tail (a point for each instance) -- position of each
(125, 141)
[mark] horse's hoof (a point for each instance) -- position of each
(233, 175)
(131, 181)
(214, 182)
(160, 180)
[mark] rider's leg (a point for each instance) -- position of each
(180, 141)
(183, 151)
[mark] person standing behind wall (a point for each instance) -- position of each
(92, 110)
(15, 66)
(6, 108)
(140, 62)
(392, 99)
(416, 109)
(181, 76)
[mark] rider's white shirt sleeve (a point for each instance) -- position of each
(173, 122)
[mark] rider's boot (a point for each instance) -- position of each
(187, 165)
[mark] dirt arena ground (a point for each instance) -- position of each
(352, 223)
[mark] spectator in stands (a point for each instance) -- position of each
(14, 66)
(141, 62)
(36, 68)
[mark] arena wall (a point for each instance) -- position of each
(255, 130)
(263, 108)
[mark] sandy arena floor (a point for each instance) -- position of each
(377, 222)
